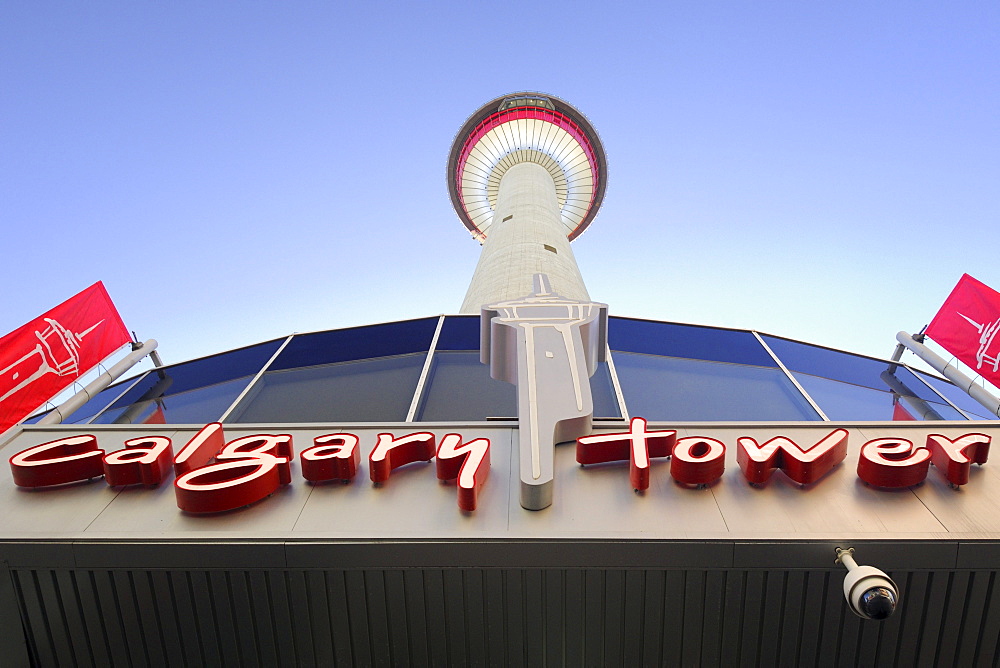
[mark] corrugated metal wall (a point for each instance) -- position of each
(497, 617)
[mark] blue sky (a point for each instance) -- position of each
(237, 171)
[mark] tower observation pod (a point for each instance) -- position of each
(527, 175)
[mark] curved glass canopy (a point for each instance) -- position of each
(428, 370)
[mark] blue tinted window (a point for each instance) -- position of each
(93, 406)
(911, 383)
(459, 332)
(846, 402)
(342, 345)
(459, 387)
(855, 403)
(373, 390)
(958, 397)
(200, 406)
(690, 341)
(668, 388)
(905, 384)
(100, 401)
(827, 363)
(208, 372)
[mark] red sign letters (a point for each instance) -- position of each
(213, 475)
(803, 465)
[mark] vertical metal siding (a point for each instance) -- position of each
(427, 616)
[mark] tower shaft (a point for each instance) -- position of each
(526, 238)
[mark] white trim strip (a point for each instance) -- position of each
(615, 383)
(418, 392)
(120, 395)
(256, 378)
(790, 377)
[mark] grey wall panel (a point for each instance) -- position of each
(536, 554)
(13, 643)
(414, 611)
(632, 619)
(714, 597)
(988, 647)
(497, 617)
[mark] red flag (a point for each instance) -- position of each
(968, 326)
(42, 358)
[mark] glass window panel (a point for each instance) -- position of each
(689, 341)
(357, 343)
(151, 386)
(100, 401)
(92, 407)
(237, 365)
(856, 371)
(200, 406)
(846, 402)
(459, 332)
(958, 397)
(35, 418)
(668, 388)
(459, 387)
(827, 363)
(942, 409)
(904, 383)
(372, 390)
(912, 383)
(854, 403)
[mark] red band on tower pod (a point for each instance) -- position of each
(636, 445)
(391, 453)
(469, 463)
(893, 463)
(804, 466)
(144, 461)
(58, 462)
(332, 457)
(527, 113)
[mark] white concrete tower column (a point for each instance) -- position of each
(529, 239)
(527, 175)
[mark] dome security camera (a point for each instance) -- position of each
(871, 593)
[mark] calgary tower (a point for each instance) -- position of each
(526, 174)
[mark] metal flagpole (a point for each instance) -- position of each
(65, 409)
(968, 385)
